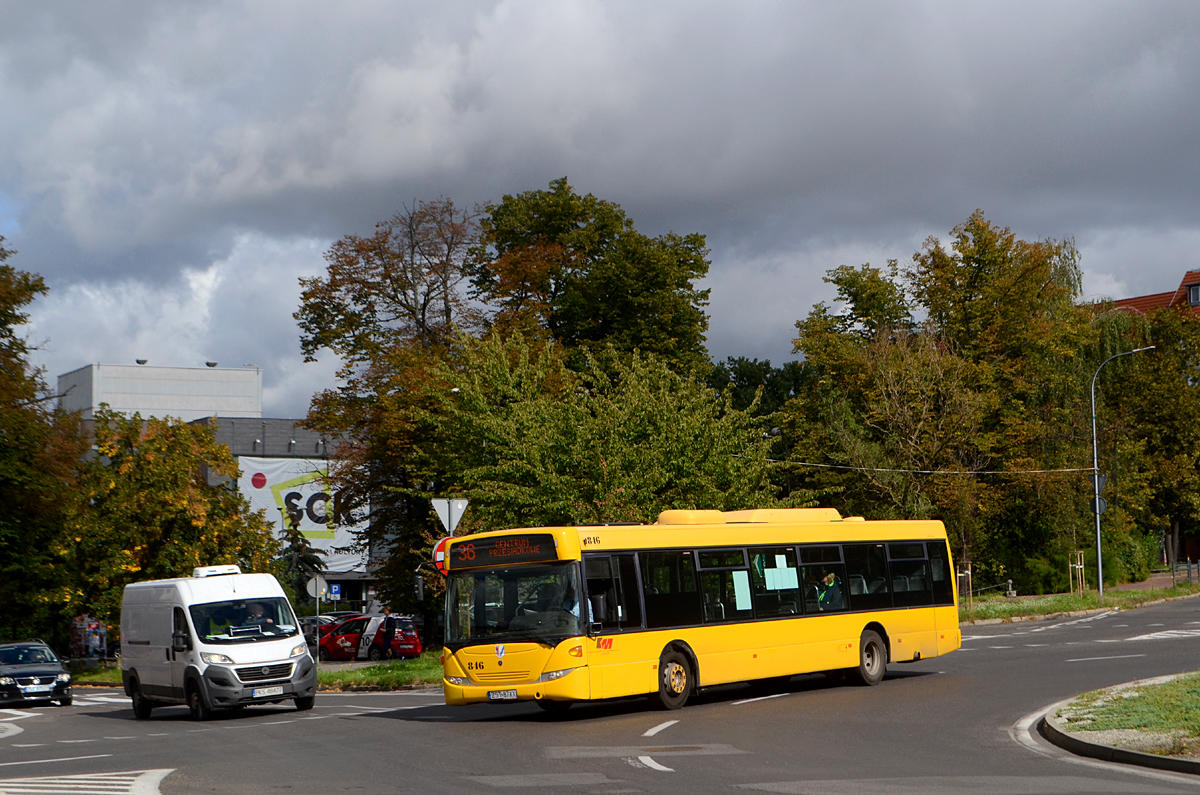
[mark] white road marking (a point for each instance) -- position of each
(659, 727)
(650, 763)
(135, 782)
(1110, 640)
(17, 714)
(1168, 634)
(78, 741)
(1125, 625)
(1118, 657)
(1036, 645)
(62, 759)
(999, 647)
(122, 737)
(1156, 625)
(760, 698)
(9, 730)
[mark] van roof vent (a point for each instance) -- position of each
(213, 571)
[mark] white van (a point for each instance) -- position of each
(216, 639)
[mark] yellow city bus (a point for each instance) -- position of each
(563, 614)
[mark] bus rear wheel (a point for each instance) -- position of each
(872, 659)
(674, 681)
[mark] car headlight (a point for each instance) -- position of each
(458, 680)
(552, 675)
(215, 658)
(301, 648)
(7, 680)
(64, 677)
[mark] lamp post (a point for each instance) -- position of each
(1096, 471)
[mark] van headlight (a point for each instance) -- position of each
(64, 677)
(215, 658)
(552, 675)
(301, 648)
(458, 680)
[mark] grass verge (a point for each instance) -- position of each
(1000, 607)
(98, 676)
(425, 670)
(1161, 718)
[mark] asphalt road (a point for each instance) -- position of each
(947, 725)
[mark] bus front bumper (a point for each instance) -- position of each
(574, 686)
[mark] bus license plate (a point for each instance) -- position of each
(263, 692)
(38, 688)
(502, 695)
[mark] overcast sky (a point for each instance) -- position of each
(172, 169)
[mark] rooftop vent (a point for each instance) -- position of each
(215, 571)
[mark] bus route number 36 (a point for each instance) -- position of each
(465, 551)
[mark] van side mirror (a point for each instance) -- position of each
(180, 641)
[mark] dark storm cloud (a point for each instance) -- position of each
(147, 142)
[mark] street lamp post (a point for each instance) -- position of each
(1096, 470)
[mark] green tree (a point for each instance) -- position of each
(756, 383)
(39, 450)
(532, 442)
(147, 511)
(576, 267)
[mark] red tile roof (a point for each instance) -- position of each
(1177, 299)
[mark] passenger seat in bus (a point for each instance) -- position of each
(858, 585)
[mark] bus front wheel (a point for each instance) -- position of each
(674, 681)
(872, 659)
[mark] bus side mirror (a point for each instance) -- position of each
(594, 628)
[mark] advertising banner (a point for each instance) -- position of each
(298, 487)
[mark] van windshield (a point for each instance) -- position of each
(244, 620)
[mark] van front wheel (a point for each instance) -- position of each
(305, 704)
(196, 703)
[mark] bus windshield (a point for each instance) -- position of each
(522, 603)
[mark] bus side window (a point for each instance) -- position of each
(910, 575)
(939, 568)
(725, 585)
(612, 591)
(866, 566)
(823, 579)
(669, 583)
(601, 590)
(777, 582)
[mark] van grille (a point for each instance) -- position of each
(257, 673)
(507, 676)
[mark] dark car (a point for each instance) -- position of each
(31, 671)
(311, 624)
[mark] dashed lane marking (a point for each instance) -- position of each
(760, 698)
(1168, 634)
(47, 761)
(659, 727)
(134, 782)
(1117, 657)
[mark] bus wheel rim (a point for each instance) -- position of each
(676, 678)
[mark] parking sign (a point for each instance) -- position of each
(335, 592)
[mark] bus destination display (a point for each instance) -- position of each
(510, 549)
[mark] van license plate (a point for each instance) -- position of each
(263, 692)
(502, 695)
(38, 688)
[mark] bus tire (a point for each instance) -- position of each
(141, 707)
(872, 659)
(553, 707)
(674, 681)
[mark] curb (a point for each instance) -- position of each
(372, 688)
(1052, 730)
(1073, 613)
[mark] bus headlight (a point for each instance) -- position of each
(458, 680)
(552, 675)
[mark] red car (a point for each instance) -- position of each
(343, 641)
(406, 643)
